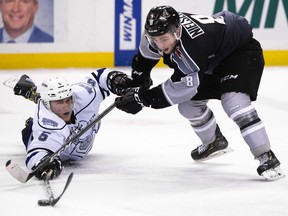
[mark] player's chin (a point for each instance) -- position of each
(167, 51)
(66, 116)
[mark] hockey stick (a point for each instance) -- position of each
(12, 81)
(52, 200)
(48, 190)
(21, 175)
(31, 95)
(66, 186)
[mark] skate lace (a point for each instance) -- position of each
(202, 148)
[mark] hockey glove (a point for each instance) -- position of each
(26, 88)
(132, 101)
(141, 69)
(50, 171)
(118, 82)
(141, 79)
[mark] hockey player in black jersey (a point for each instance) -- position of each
(213, 57)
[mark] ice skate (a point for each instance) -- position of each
(269, 167)
(207, 151)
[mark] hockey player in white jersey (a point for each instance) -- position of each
(61, 111)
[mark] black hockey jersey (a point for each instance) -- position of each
(204, 43)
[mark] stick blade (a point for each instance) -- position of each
(16, 171)
(12, 81)
(66, 186)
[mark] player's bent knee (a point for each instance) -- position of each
(238, 107)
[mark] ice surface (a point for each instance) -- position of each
(140, 165)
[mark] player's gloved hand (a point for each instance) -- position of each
(26, 88)
(118, 82)
(141, 72)
(132, 101)
(141, 79)
(50, 171)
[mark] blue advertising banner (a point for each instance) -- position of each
(127, 31)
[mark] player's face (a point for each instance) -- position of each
(18, 15)
(165, 43)
(63, 108)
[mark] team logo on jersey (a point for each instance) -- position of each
(84, 142)
(46, 121)
(190, 26)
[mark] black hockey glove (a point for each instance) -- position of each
(132, 101)
(26, 88)
(50, 171)
(118, 82)
(141, 72)
(141, 79)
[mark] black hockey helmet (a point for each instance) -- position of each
(160, 20)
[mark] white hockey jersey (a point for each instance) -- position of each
(50, 132)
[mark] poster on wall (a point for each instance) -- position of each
(26, 21)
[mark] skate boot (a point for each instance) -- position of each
(269, 166)
(214, 149)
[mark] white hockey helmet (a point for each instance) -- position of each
(54, 89)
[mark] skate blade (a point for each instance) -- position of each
(273, 174)
(217, 154)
